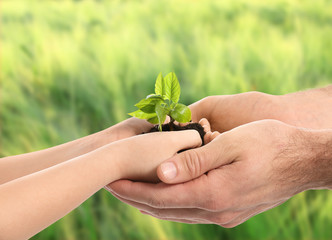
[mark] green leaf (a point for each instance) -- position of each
(167, 102)
(149, 108)
(160, 85)
(154, 96)
(172, 87)
(153, 120)
(143, 103)
(172, 105)
(181, 113)
(142, 115)
(161, 112)
(148, 105)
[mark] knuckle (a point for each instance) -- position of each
(192, 163)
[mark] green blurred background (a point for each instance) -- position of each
(69, 69)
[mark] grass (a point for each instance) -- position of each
(72, 68)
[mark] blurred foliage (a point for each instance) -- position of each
(72, 68)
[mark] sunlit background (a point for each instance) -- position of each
(69, 69)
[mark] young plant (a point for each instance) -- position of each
(165, 101)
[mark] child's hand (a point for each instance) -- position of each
(128, 128)
(140, 155)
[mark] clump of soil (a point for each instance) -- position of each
(173, 127)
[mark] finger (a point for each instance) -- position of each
(207, 137)
(164, 196)
(167, 120)
(205, 124)
(147, 210)
(180, 220)
(173, 220)
(214, 135)
(210, 136)
(182, 124)
(174, 213)
(175, 141)
(185, 139)
(195, 162)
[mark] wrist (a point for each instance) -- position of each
(105, 163)
(309, 109)
(277, 107)
(97, 140)
(262, 106)
(289, 110)
(318, 157)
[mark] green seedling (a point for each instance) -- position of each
(165, 101)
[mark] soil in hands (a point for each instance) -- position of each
(173, 127)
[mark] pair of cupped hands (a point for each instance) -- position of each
(255, 157)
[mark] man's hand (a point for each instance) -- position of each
(226, 112)
(309, 109)
(255, 167)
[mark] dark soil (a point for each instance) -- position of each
(167, 127)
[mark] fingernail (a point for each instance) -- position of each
(169, 170)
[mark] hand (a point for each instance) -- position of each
(166, 145)
(147, 151)
(226, 112)
(309, 109)
(77, 179)
(127, 128)
(255, 167)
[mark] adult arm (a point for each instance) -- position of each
(31, 203)
(13, 167)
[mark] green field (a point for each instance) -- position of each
(69, 69)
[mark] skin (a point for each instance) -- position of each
(39, 160)
(253, 166)
(42, 194)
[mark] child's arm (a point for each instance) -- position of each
(17, 166)
(33, 202)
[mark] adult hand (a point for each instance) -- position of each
(309, 109)
(255, 167)
(225, 112)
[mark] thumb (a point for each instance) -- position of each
(193, 163)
